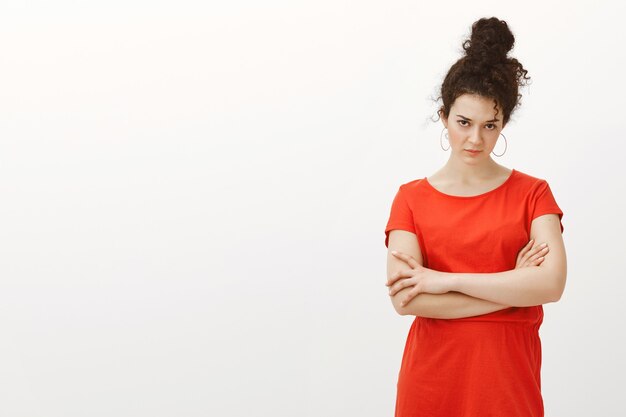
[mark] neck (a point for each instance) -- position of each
(461, 171)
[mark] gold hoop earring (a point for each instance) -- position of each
(447, 138)
(505, 146)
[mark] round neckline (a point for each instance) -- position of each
(513, 171)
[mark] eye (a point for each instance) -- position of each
(493, 126)
(462, 121)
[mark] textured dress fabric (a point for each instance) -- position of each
(486, 365)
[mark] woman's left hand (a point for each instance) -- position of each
(423, 280)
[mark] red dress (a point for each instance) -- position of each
(487, 365)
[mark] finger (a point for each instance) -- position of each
(527, 246)
(537, 259)
(523, 257)
(395, 287)
(522, 252)
(409, 296)
(539, 253)
(533, 253)
(406, 258)
(400, 285)
(527, 262)
(533, 263)
(402, 273)
(539, 247)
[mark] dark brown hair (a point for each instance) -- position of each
(486, 69)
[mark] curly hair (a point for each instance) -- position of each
(485, 69)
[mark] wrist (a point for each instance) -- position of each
(452, 281)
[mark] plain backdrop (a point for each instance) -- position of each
(194, 195)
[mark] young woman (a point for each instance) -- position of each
(474, 251)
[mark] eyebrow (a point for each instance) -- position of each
(466, 118)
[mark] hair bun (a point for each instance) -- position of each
(490, 41)
(486, 69)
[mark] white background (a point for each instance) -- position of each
(194, 196)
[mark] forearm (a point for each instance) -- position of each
(451, 305)
(520, 287)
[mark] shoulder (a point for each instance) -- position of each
(412, 185)
(537, 193)
(529, 182)
(523, 176)
(412, 190)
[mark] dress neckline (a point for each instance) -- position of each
(513, 171)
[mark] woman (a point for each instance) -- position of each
(460, 258)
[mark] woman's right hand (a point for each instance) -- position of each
(531, 256)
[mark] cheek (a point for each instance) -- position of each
(453, 131)
(493, 137)
(455, 134)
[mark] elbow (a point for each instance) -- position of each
(396, 299)
(554, 298)
(557, 291)
(401, 310)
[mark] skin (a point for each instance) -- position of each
(540, 274)
(464, 174)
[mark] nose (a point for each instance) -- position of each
(475, 138)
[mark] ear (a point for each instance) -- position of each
(443, 118)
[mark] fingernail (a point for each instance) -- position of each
(393, 252)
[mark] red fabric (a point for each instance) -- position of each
(486, 365)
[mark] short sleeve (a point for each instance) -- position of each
(400, 217)
(543, 202)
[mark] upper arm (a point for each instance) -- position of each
(547, 228)
(400, 235)
(405, 242)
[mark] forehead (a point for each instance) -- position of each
(475, 107)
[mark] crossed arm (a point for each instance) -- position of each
(456, 295)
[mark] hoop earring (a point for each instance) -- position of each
(505, 146)
(441, 142)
